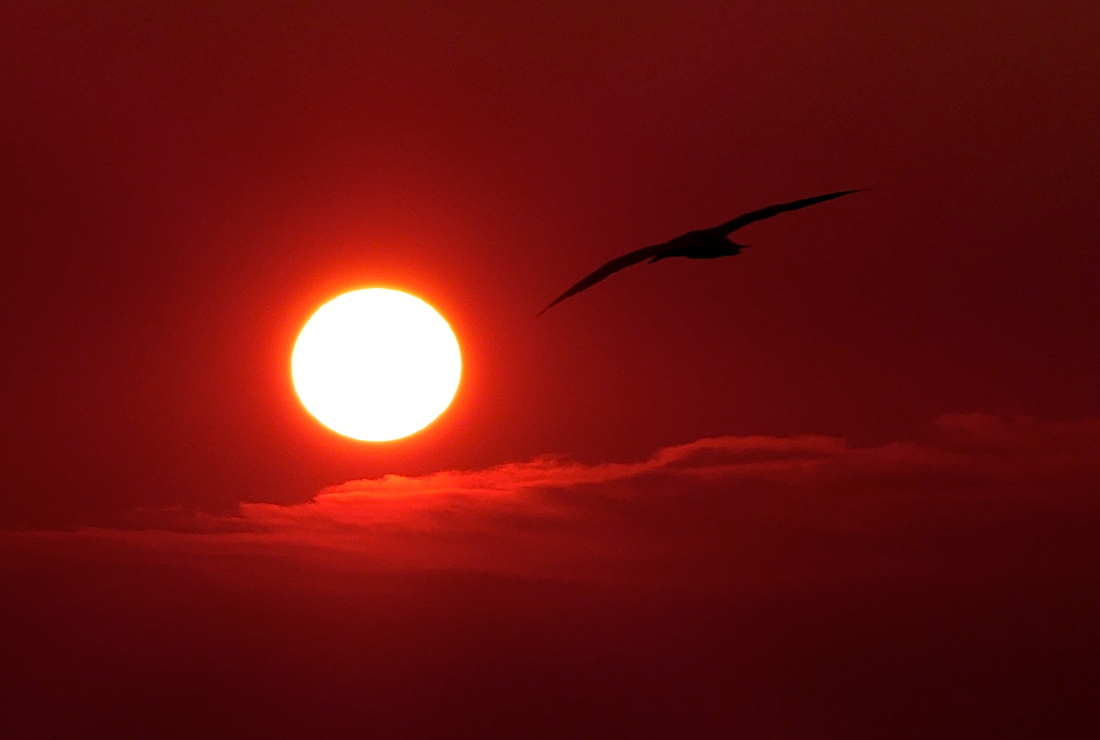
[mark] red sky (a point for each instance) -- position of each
(869, 505)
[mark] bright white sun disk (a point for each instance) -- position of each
(376, 364)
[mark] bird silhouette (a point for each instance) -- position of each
(702, 244)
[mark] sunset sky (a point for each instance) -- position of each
(842, 485)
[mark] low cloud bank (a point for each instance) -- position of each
(728, 507)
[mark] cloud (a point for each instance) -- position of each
(719, 512)
(803, 504)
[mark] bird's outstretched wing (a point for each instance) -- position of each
(619, 263)
(752, 216)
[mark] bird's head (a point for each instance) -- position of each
(734, 247)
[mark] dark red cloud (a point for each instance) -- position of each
(762, 586)
(698, 501)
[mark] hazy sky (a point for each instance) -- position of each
(912, 370)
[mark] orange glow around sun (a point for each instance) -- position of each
(376, 364)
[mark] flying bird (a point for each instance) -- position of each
(702, 244)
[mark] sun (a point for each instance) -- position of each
(376, 364)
